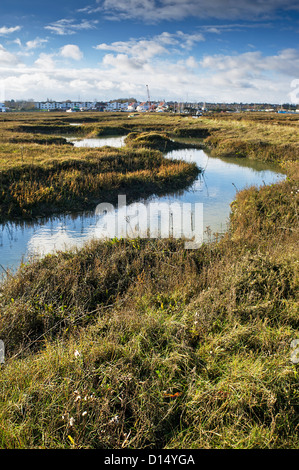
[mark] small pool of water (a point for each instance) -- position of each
(98, 142)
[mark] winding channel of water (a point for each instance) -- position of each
(215, 189)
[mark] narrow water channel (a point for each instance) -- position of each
(215, 189)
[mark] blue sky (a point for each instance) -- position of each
(192, 50)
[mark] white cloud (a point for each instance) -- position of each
(31, 82)
(121, 76)
(6, 58)
(29, 47)
(145, 49)
(221, 28)
(138, 49)
(36, 43)
(50, 62)
(71, 51)
(82, 85)
(159, 10)
(187, 41)
(123, 62)
(213, 29)
(286, 62)
(67, 26)
(191, 62)
(166, 62)
(251, 76)
(4, 30)
(17, 41)
(248, 60)
(45, 61)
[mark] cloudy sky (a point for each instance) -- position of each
(184, 50)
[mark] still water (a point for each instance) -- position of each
(213, 190)
(98, 142)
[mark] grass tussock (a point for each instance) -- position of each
(152, 140)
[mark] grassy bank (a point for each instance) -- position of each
(82, 179)
(142, 343)
(155, 140)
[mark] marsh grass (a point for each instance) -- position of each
(153, 140)
(38, 180)
(266, 141)
(143, 344)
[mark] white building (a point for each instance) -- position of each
(64, 105)
(143, 107)
(2, 108)
(162, 107)
(117, 106)
(132, 106)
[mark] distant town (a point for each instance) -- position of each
(132, 105)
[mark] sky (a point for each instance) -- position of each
(183, 50)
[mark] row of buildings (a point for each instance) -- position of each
(133, 105)
(50, 105)
(71, 106)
